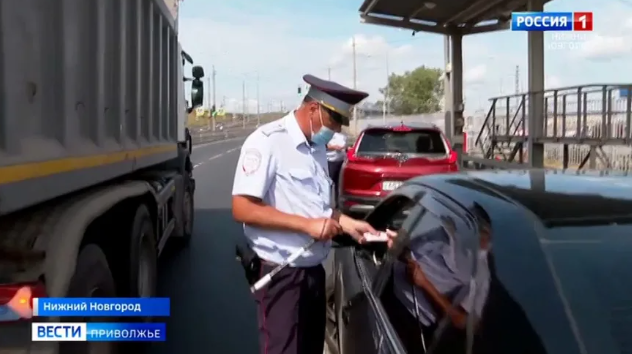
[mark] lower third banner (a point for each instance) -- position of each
(98, 332)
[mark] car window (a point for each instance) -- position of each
(419, 141)
(443, 241)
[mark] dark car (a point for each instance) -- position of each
(383, 157)
(558, 275)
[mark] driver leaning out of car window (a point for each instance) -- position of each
(436, 279)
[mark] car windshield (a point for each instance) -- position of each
(594, 268)
(420, 141)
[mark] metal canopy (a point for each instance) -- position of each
(442, 17)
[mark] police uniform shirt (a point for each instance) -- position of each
(449, 271)
(338, 139)
(278, 165)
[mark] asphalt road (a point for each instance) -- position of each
(211, 308)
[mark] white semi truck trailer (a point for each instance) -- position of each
(95, 169)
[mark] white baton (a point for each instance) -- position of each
(294, 256)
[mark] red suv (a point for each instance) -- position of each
(382, 158)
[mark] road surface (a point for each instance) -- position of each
(211, 309)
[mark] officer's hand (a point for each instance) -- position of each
(356, 228)
(323, 229)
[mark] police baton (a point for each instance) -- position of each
(294, 256)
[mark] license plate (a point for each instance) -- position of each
(391, 185)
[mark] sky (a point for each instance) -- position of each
(256, 44)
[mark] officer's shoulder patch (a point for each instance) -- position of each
(251, 161)
(273, 127)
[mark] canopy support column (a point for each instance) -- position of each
(536, 91)
(454, 91)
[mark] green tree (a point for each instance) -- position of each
(414, 92)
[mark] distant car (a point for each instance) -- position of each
(382, 158)
(557, 270)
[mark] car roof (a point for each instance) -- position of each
(550, 195)
(412, 125)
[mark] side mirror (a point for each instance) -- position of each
(197, 93)
(197, 72)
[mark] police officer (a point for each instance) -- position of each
(335, 158)
(281, 194)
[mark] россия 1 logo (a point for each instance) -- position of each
(552, 21)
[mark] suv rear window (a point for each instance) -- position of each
(408, 142)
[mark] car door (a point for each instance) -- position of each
(355, 270)
(398, 329)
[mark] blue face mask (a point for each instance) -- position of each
(324, 134)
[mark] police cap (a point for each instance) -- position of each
(337, 99)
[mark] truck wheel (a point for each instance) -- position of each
(188, 212)
(143, 255)
(92, 278)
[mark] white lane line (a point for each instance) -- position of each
(215, 142)
(217, 156)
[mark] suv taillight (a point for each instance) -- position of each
(453, 157)
(352, 157)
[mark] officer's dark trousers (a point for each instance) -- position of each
(291, 311)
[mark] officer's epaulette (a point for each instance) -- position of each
(274, 127)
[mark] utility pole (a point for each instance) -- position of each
(214, 96)
(210, 124)
(385, 103)
(517, 85)
(258, 105)
(355, 83)
(243, 103)
(329, 74)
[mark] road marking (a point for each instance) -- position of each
(216, 156)
(215, 142)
